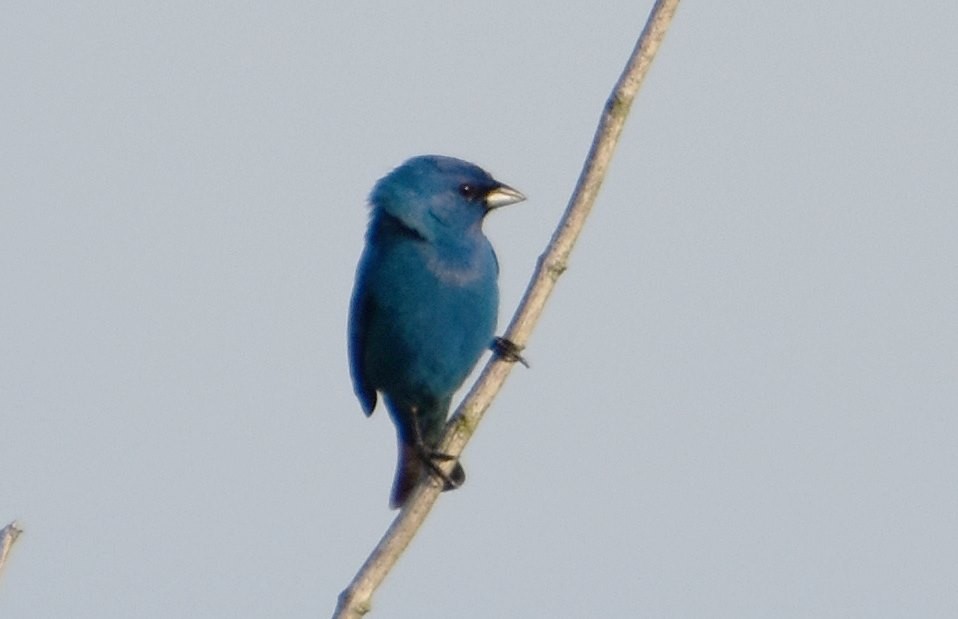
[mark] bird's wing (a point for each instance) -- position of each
(361, 310)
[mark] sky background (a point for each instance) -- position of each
(743, 394)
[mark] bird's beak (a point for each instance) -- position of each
(503, 195)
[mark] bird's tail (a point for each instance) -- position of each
(410, 468)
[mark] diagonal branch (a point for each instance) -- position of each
(8, 535)
(355, 601)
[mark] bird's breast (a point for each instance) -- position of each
(475, 268)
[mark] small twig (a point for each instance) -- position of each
(354, 601)
(8, 535)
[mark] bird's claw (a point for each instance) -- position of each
(431, 458)
(507, 350)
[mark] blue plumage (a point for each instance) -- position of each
(426, 299)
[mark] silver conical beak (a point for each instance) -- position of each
(503, 195)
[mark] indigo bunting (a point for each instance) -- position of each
(425, 302)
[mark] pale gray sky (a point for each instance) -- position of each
(743, 396)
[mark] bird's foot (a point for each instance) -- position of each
(507, 350)
(431, 458)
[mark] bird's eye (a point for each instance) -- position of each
(467, 190)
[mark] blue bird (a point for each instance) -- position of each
(425, 302)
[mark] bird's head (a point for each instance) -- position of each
(435, 195)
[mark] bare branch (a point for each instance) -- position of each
(8, 535)
(354, 601)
